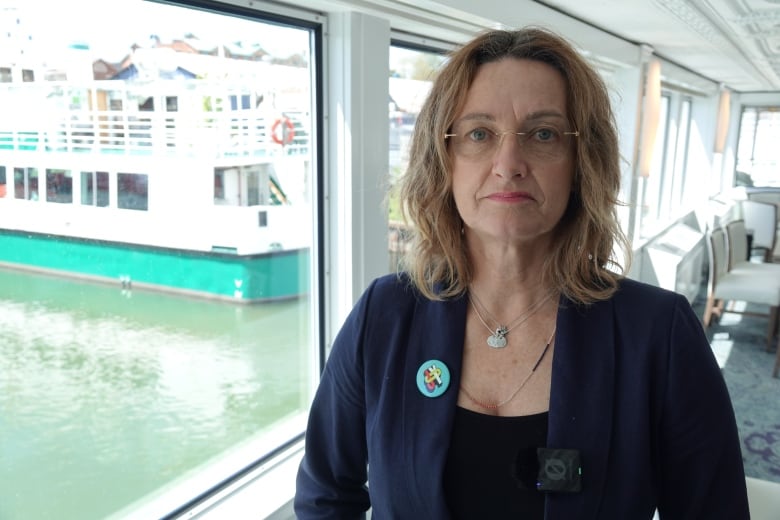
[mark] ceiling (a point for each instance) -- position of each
(731, 42)
(734, 42)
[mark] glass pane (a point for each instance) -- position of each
(156, 300)
(758, 156)
(655, 185)
(59, 186)
(25, 184)
(94, 189)
(132, 191)
(681, 154)
(747, 136)
(411, 75)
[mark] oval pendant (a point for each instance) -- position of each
(496, 341)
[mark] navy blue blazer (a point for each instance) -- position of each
(635, 388)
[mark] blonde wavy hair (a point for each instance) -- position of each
(582, 265)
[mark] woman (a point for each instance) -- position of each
(510, 371)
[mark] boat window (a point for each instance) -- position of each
(59, 186)
(26, 183)
(94, 189)
(159, 301)
(133, 191)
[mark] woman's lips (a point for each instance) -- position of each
(510, 196)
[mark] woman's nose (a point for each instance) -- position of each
(509, 158)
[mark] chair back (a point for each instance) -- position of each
(716, 248)
(768, 197)
(736, 243)
(761, 218)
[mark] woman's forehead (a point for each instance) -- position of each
(519, 89)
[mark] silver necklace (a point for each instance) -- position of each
(497, 338)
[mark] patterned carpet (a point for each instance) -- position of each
(739, 343)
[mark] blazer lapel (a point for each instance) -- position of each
(581, 402)
(426, 422)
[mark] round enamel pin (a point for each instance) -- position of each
(433, 378)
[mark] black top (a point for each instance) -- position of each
(491, 466)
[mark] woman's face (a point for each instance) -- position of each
(509, 188)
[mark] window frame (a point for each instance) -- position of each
(289, 435)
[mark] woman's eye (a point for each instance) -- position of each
(479, 134)
(545, 133)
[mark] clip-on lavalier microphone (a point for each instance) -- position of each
(559, 470)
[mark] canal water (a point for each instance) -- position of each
(106, 396)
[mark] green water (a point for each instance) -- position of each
(107, 396)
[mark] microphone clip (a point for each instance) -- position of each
(560, 470)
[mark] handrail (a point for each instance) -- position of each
(216, 134)
(43, 117)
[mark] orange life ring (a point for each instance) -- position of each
(287, 131)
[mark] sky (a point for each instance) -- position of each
(110, 27)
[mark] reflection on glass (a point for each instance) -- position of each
(197, 337)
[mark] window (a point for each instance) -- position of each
(133, 191)
(663, 196)
(758, 156)
(2, 182)
(59, 186)
(94, 189)
(219, 185)
(680, 186)
(654, 185)
(193, 358)
(412, 70)
(255, 185)
(26, 183)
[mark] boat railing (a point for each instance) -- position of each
(215, 134)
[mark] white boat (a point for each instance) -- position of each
(177, 174)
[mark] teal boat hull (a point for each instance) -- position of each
(274, 275)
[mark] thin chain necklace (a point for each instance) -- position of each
(494, 406)
(497, 338)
